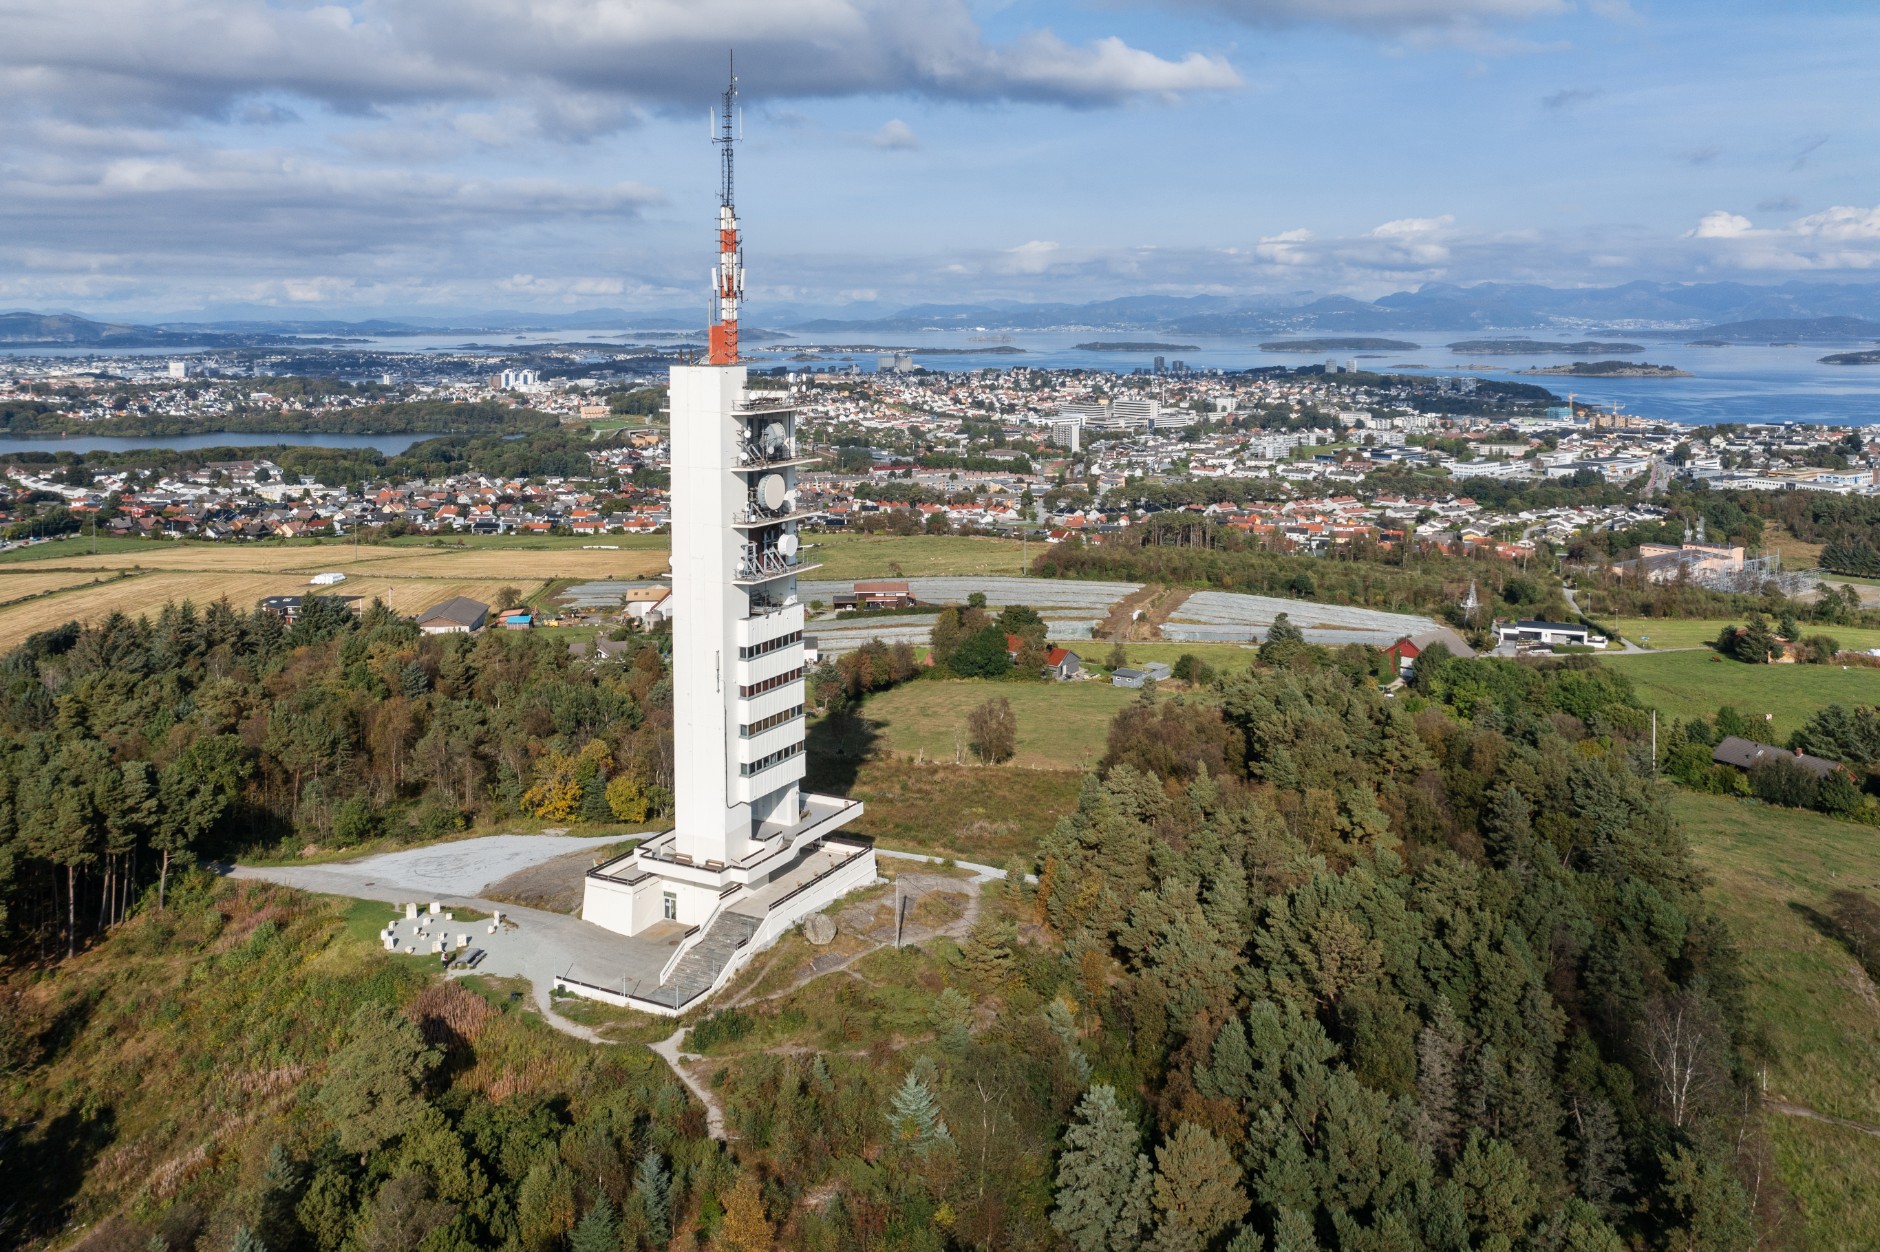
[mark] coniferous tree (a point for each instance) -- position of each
(599, 1231)
(652, 1184)
(1197, 1189)
(1102, 1178)
(914, 1117)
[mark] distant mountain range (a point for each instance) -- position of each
(1671, 307)
(1720, 312)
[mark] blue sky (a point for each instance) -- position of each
(387, 156)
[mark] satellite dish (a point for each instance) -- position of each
(787, 546)
(771, 491)
(776, 437)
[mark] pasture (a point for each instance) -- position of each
(1811, 1005)
(1660, 633)
(1694, 684)
(1060, 725)
(846, 557)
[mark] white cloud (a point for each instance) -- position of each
(1720, 225)
(1394, 14)
(1841, 224)
(1844, 237)
(895, 134)
(99, 57)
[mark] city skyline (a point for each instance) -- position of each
(376, 159)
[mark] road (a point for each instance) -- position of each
(1573, 603)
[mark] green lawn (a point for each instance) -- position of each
(1689, 684)
(1222, 656)
(626, 543)
(81, 545)
(1060, 725)
(1669, 632)
(1772, 871)
(845, 557)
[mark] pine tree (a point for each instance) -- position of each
(1197, 1188)
(247, 1240)
(987, 952)
(1439, 1054)
(599, 1231)
(914, 1116)
(653, 1185)
(371, 1091)
(1102, 1180)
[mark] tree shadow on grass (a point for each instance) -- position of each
(837, 747)
(47, 1167)
(1832, 929)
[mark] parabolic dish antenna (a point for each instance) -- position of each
(771, 491)
(787, 546)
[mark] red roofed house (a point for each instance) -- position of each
(1063, 664)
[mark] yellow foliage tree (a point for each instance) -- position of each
(556, 795)
(745, 1228)
(628, 799)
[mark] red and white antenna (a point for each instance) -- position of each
(728, 275)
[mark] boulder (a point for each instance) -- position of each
(819, 928)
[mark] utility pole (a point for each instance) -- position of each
(1654, 743)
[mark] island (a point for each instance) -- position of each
(1520, 347)
(1099, 346)
(1869, 356)
(1339, 345)
(1610, 369)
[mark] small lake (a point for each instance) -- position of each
(388, 444)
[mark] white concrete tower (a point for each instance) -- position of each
(748, 850)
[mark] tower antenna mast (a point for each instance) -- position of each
(728, 276)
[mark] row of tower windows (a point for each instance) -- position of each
(763, 724)
(770, 684)
(763, 763)
(770, 645)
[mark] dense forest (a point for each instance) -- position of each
(364, 418)
(128, 744)
(1306, 968)
(545, 449)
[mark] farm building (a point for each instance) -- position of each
(459, 615)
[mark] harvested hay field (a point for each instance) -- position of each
(29, 583)
(373, 559)
(147, 593)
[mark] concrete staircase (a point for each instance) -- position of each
(698, 970)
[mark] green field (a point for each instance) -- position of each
(845, 557)
(1222, 656)
(1060, 725)
(1692, 684)
(991, 816)
(1772, 871)
(1666, 632)
(558, 543)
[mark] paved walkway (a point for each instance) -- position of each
(981, 873)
